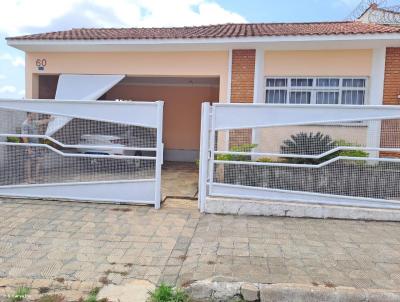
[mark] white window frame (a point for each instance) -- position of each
(314, 88)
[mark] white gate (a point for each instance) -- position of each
(326, 154)
(81, 150)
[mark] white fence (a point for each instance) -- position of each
(325, 154)
(81, 150)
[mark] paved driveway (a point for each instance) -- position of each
(50, 245)
(90, 244)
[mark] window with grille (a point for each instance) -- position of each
(315, 90)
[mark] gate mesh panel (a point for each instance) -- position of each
(360, 159)
(81, 151)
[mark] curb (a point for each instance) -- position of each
(306, 293)
(226, 289)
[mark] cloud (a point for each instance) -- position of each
(21, 92)
(27, 16)
(2, 76)
(15, 61)
(8, 89)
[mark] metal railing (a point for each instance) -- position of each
(81, 150)
(326, 154)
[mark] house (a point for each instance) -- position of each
(375, 14)
(352, 62)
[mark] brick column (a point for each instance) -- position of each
(390, 129)
(242, 88)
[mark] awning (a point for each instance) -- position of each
(80, 87)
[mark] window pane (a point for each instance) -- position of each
(301, 82)
(300, 97)
(327, 97)
(328, 82)
(353, 82)
(353, 97)
(271, 82)
(275, 96)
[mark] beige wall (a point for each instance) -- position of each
(131, 63)
(315, 63)
(182, 110)
(273, 137)
(318, 63)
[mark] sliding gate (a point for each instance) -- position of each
(326, 154)
(81, 150)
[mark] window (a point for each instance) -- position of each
(316, 90)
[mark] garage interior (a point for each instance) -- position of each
(182, 98)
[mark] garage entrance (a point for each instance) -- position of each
(182, 98)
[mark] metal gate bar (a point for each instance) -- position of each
(326, 154)
(108, 151)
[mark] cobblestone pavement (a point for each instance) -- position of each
(294, 250)
(179, 179)
(44, 242)
(78, 246)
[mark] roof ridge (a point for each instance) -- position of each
(217, 24)
(224, 30)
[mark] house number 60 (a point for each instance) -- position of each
(41, 62)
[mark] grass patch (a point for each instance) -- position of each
(20, 294)
(92, 297)
(166, 293)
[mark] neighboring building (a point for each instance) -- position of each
(295, 63)
(375, 14)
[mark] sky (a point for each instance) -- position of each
(19, 17)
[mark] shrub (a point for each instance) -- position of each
(239, 148)
(350, 153)
(264, 160)
(313, 144)
(308, 144)
(13, 139)
(166, 293)
(92, 297)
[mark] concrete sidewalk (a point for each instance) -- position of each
(292, 250)
(73, 247)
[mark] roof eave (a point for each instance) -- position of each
(44, 45)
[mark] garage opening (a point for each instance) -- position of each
(182, 98)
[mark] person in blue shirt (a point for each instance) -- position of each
(34, 154)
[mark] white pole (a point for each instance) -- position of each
(204, 147)
(159, 155)
(258, 91)
(375, 96)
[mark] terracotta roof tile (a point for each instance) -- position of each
(215, 31)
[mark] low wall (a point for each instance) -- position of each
(237, 206)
